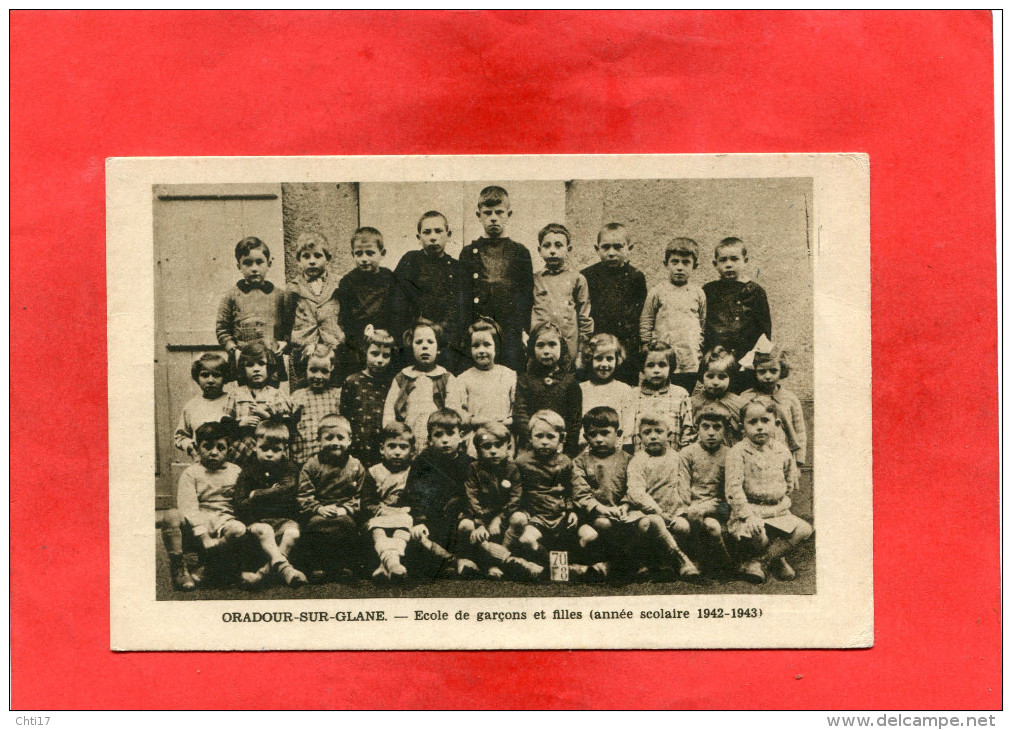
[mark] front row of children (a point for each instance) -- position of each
(441, 512)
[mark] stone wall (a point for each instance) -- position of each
(771, 215)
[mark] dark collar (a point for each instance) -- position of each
(245, 287)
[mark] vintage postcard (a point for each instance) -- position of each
(490, 402)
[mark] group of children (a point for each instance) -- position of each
(517, 414)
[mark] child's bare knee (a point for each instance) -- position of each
(465, 527)
(802, 532)
(587, 535)
(602, 524)
(680, 527)
(172, 518)
(234, 529)
(518, 521)
(712, 527)
(530, 537)
(258, 529)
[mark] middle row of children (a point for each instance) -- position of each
(485, 394)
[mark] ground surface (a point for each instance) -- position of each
(803, 562)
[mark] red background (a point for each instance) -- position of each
(914, 90)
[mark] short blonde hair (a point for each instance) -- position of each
(552, 419)
(311, 241)
(335, 422)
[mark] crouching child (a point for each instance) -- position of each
(493, 494)
(330, 488)
(701, 472)
(615, 523)
(435, 494)
(265, 500)
(760, 475)
(204, 518)
(546, 519)
(389, 518)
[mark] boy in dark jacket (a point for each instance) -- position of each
(498, 277)
(435, 493)
(429, 287)
(617, 292)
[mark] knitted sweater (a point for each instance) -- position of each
(325, 481)
(249, 313)
(265, 491)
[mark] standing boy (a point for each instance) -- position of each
(617, 292)
(254, 309)
(560, 294)
(498, 278)
(675, 312)
(737, 311)
(364, 298)
(428, 287)
(312, 307)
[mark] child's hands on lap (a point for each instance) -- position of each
(331, 511)
(480, 534)
(754, 526)
(419, 532)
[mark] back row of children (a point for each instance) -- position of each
(324, 321)
(494, 278)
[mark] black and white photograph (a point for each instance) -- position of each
(495, 391)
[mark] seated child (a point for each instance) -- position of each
(737, 310)
(657, 394)
(435, 493)
(546, 519)
(493, 494)
(210, 371)
(311, 404)
(254, 309)
(610, 518)
(265, 500)
(485, 393)
(420, 389)
(312, 307)
(388, 517)
(675, 311)
(770, 368)
(549, 384)
(429, 287)
(364, 393)
(560, 293)
(364, 296)
(204, 508)
(330, 489)
(760, 475)
(497, 277)
(254, 400)
(653, 482)
(719, 368)
(602, 359)
(701, 473)
(617, 293)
